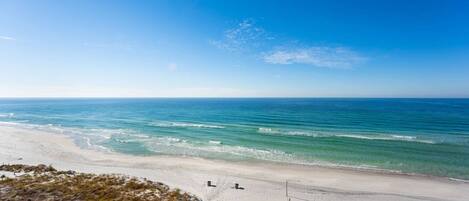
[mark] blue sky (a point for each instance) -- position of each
(234, 48)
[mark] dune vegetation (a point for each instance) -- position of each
(43, 182)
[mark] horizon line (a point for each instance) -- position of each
(227, 97)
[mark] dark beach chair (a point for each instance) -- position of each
(209, 184)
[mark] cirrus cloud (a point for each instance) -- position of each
(245, 35)
(6, 38)
(319, 56)
(172, 66)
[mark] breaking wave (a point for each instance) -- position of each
(286, 132)
(7, 115)
(273, 131)
(184, 125)
(214, 142)
(213, 149)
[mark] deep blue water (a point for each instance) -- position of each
(426, 136)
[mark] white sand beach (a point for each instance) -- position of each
(261, 181)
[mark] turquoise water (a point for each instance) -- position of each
(425, 136)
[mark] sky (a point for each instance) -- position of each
(348, 48)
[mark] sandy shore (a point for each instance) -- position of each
(261, 181)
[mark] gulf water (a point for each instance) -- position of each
(422, 136)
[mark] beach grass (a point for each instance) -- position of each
(43, 182)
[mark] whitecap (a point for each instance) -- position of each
(287, 132)
(184, 125)
(359, 137)
(404, 137)
(387, 137)
(214, 142)
(268, 130)
(7, 115)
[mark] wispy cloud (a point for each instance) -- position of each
(172, 66)
(247, 35)
(319, 56)
(6, 38)
(244, 36)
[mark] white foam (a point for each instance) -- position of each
(214, 142)
(287, 132)
(268, 130)
(184, 124)
(404, 137)
(7, 115)
(172, 139)
(360, 137)
(459, 180)
(387, 137)
(7, 123)
(176, 146)
(302, 133)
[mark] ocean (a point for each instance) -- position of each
(415, 136)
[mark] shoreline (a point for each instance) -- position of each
(263, 181)
(319, 164)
